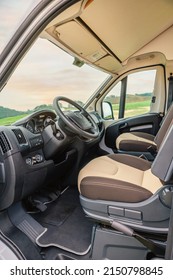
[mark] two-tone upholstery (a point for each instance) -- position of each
(130, 189)
(120, 178)
(135, 141)
(140, 142)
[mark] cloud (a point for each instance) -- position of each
(11, 14)
(141, 82)
(46, 72)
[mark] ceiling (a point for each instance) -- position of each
(108, 32)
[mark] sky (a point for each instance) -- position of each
(46, 71)
(11, 14)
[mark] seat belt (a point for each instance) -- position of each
(169, 245)
(170, 91)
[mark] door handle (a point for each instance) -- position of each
(124, 125)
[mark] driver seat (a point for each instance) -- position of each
(130, 189)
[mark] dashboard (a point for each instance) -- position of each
(37, 121)
(32, 153)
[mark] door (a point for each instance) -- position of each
(137, 102)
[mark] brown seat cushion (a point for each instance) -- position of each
(118, 178)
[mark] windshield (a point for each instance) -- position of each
(44, 73)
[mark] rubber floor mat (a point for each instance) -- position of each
(67, 226)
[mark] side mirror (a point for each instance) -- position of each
(107, 110)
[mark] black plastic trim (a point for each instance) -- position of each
(16, 251)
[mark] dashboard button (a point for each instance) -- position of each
(29, 161)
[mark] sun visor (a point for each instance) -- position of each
(109, 63)
(81, 42)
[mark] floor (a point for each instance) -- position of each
(61, 231)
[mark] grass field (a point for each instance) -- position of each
(10, 120)
(131, 109)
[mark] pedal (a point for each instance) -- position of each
(39, 205)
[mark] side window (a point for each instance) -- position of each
(114, 98)
(132, 95)
(140, 86)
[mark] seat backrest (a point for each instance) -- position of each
(162, 166)
(164, 127)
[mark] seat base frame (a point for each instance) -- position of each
(150, 215)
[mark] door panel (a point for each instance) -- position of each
(148, 123)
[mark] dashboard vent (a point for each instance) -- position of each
(4, 143)
(19, 135)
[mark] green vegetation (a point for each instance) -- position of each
(42, 107)
(11, 120)
(135, 105)
(6, 112)
(9, 116)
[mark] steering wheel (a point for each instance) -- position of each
(80, 122)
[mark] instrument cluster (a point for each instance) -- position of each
(38, 123)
